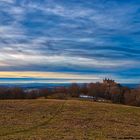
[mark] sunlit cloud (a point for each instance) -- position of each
(56, 75)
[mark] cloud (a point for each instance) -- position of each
(68, 36)
(7, 1)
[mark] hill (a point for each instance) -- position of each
(44, 119)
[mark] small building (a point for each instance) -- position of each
(88, 97)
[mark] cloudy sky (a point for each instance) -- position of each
(70, 39)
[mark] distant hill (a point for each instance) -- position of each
(42, 85)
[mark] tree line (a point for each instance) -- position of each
(108, 90)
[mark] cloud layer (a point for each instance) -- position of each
(75, 36)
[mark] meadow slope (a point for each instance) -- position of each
(67, 120)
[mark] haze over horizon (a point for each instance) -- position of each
(70, 40)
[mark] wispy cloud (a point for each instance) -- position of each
(68, 36)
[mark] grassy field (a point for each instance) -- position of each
(67, 120)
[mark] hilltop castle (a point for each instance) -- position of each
(109, 82)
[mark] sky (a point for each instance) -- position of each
(72, 40)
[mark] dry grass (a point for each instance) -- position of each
(67, 120)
